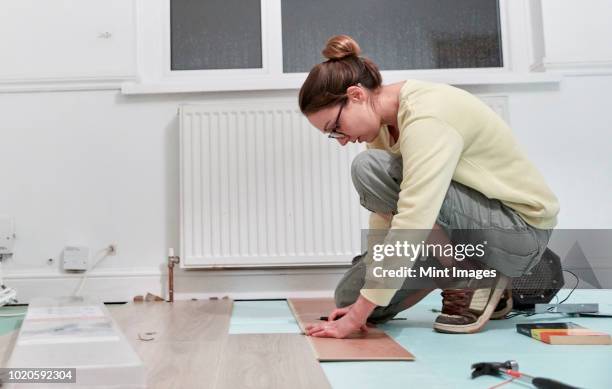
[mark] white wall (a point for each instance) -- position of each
(577, 34)
(93, 168)
(568, 136)
(97, 167)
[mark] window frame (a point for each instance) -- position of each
(157, 77)
(189, 74)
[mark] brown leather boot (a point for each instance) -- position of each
(504, 306)
(467, 310)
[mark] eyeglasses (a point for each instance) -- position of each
(332, 132)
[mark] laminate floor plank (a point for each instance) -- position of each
(180, 321)
(187, 339)
(309, 310)
(375, 345)
(269, 361)
(181, 365)
(7, 343)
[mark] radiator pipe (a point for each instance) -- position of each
(172, 260)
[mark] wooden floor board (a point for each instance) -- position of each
(180, 321)
(188, 338)
(269, 361)
(181, 365)
(374, 345)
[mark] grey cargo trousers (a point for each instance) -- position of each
(514, 246)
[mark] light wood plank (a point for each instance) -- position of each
(269, 361)
(181, 365)
(374, 345)
(189, 338)
(309, 310)
(7, 343)
(190, 321)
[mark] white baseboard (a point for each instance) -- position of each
(123, 284)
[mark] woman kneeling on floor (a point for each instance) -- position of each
(437, 159)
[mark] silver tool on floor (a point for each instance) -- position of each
(511, 369)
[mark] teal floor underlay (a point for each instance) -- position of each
(262, 317)
(11, 323)
(444, 360)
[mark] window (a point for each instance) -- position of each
(215, 34)
(230, 45)
(397, 34)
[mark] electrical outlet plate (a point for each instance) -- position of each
(76, 258)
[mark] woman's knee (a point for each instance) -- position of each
(373, 175)
(363, 167)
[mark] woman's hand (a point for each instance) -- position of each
(352, 319)
(340, 328)
(339, 312)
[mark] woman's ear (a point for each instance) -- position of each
(356, 93)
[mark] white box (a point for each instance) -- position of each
(76, 258)
(76, 332)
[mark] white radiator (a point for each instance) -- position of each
(259, 186)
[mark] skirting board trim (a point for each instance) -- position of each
(123, 284)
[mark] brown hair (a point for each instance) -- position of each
(328, 81)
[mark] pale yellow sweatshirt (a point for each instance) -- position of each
(445, 134)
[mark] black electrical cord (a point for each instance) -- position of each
(574, 288)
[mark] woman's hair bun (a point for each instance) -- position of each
(340, 46)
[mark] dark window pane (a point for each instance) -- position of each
(396, 34)
(215, 34)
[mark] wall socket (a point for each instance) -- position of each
(112, 249)
(76, 258)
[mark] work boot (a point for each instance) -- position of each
(467, 310)
(504, 306)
